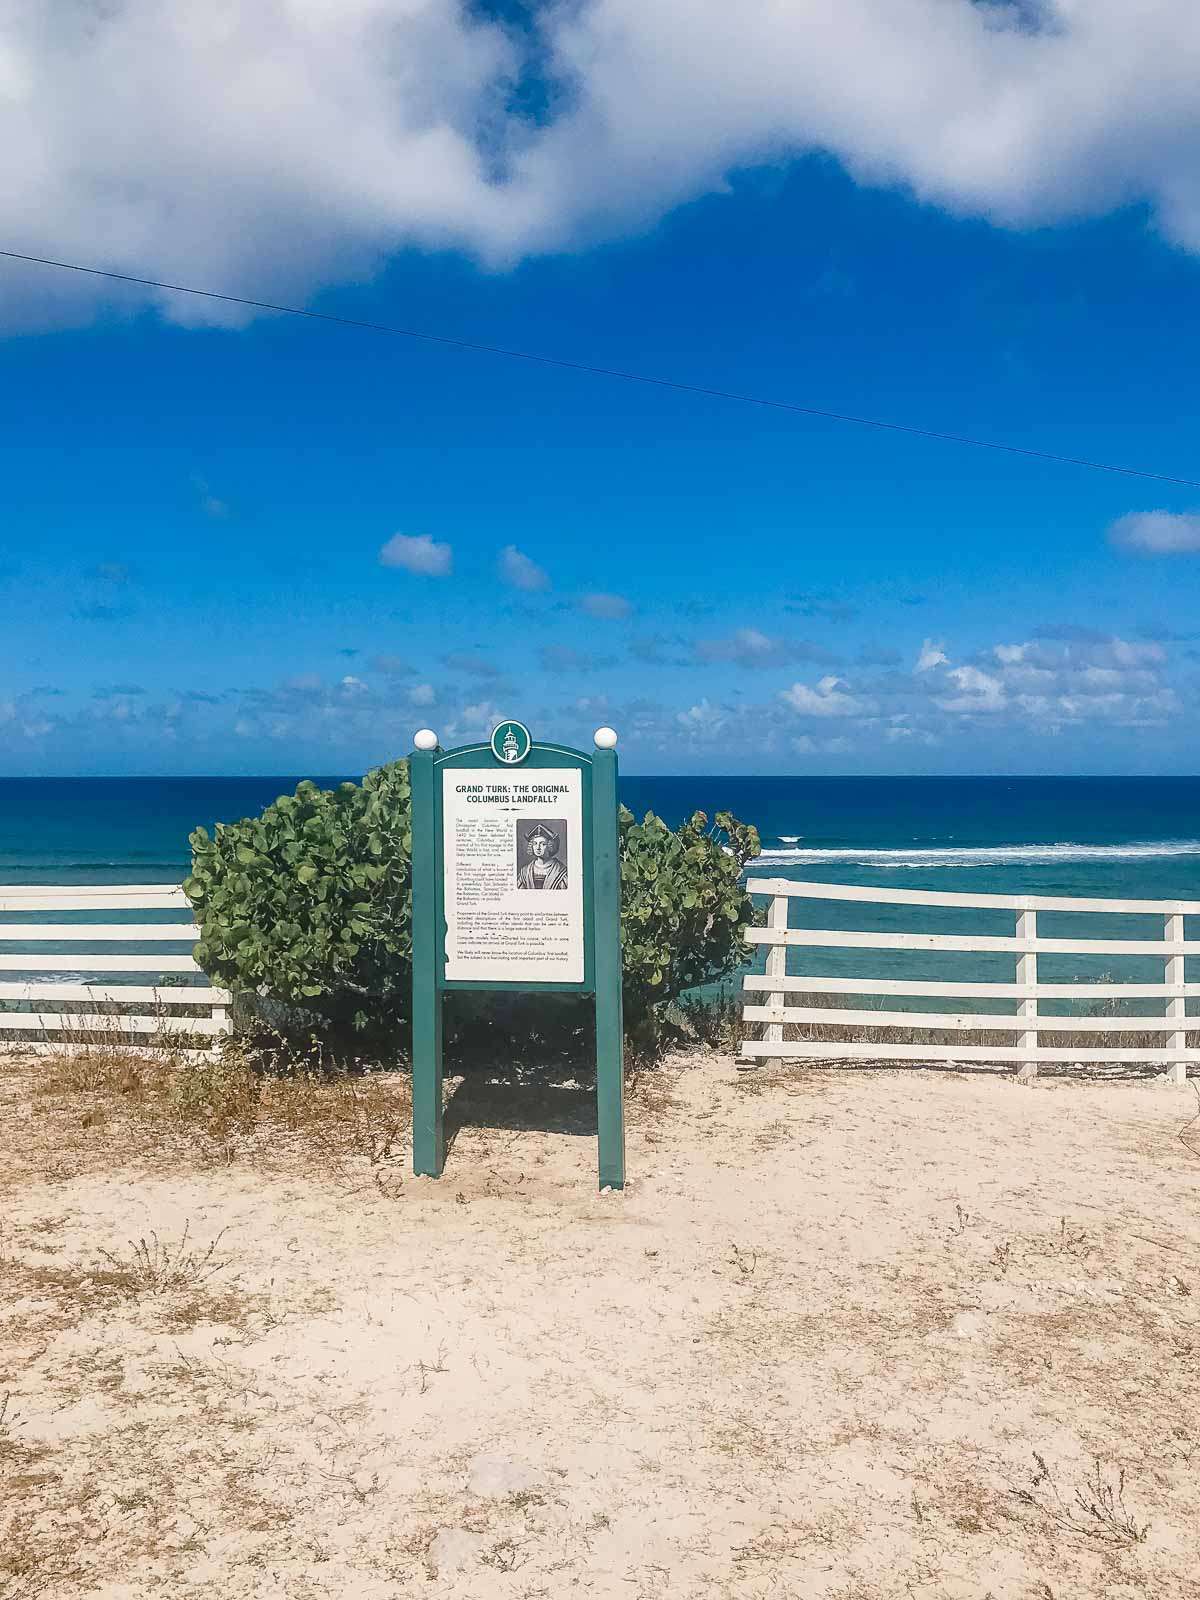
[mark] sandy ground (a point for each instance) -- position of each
(816, 1349)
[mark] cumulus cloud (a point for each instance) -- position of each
(702, 720)
(1020, 112)
(418, 553)
(608, 607)
(520, 572)
(830, 698)
(977, 691)
(1157, 533)
(1048, 684)
(931, 655)
(271, 149)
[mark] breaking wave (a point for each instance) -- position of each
(993, 855)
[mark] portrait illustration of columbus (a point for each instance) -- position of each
(541, 845)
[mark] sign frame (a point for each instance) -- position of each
(601, 932)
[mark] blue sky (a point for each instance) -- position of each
(275, 545)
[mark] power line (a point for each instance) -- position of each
(611, 372)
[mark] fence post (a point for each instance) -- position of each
(219, 1014)
(1176, 1008)
(776, 967)
(1027, 974)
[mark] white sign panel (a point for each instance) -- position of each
(513, 859)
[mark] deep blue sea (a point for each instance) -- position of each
(1110, 837)
(1103, 836)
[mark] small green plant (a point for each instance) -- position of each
(218, 1096)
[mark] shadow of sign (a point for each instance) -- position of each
(522, 1100)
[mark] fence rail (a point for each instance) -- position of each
(1037, 1036)
(40, 1014)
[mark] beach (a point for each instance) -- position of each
(818, 1347)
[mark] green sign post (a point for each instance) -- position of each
(516, 885)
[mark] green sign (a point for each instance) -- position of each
(516, 886)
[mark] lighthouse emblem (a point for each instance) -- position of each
(511, 743)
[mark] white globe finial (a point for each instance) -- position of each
(425, 739)
(606, 738)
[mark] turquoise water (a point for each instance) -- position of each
(1117, 837)
(1111, 837)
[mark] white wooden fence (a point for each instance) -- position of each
(1034, 1034)
(88, 1009)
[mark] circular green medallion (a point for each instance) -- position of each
(511, 743)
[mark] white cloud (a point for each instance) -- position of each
(422, 694)
(932, 655)
(977, 691)
(1157, 533)
(1048, 684)
(270, 149)
(608, 607)
(1010, 655)
(287, 143)
(703, 720)
(1019, 112)
(418, 553)
(476, 720)
(520, 571)
(830, 698)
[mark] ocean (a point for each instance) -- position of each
(1110, 837)
(1116, 837)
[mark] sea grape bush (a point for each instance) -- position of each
(683, 908)
(309, 904)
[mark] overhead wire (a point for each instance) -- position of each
(621, 374)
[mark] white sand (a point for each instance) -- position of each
(780, 1364)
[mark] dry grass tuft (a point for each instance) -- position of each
(88, 1070)
(32, 1562)
(94, 1109)
(651, 1094)
(156, 1267)
(1096, 1510)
